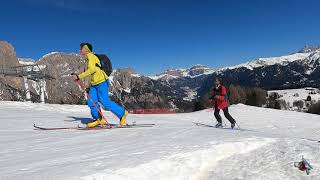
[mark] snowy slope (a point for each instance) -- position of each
(174, 149)
(291, 95)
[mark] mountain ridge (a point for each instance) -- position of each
(177, 89)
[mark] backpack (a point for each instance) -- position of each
(105, 62)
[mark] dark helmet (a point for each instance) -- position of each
(86, 44)
(220, 80)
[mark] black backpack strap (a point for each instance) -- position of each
(97, 65)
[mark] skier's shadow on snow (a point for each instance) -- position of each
(83, 120)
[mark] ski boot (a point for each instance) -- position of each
(94, 123)
(102, 122)
(219, 125)
(123, 120)
(233, 125)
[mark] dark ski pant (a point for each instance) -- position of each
(226, 114)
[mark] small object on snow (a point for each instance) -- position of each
(303, 165)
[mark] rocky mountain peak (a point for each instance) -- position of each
(195, 70)
(127, 70)
(199, 66)
(7, 55)
(199, 69)
(309, 48)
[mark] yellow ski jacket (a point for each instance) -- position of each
(97, 75)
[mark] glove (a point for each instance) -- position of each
(87, 90)
(75, 76)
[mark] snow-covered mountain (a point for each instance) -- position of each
(192, 72)
(308, 48)
(297, 70)
(175, 88)
(308, 53)
(292, 71)
(175, 148)
(263, 62)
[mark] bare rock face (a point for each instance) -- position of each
(62, 89)
(10, 87)
(136, 91)
(199, 70)
(8, 56)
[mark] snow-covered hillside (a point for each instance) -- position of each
(175, 148)
(292, 95)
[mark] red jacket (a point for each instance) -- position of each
(219, 97)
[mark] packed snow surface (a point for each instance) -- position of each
(270, 142)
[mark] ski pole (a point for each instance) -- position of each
(81, 86)
(224, 122)
(238, 125)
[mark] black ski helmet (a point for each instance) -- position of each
(220, 80)
(86, 44)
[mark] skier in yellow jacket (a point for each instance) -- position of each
(99, 89)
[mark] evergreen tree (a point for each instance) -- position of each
(242, 94)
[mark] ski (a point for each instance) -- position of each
(201, 124)
(211, 126)
(112, 126)
(134, 124)
(53, 128)
(115, 126)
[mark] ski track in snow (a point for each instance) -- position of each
(174, 149)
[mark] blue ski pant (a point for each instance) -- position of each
(100, 93)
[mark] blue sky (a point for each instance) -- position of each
(153, 35)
